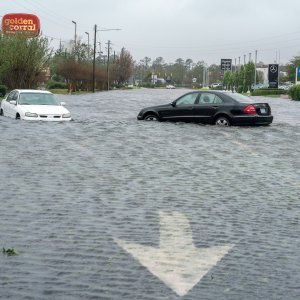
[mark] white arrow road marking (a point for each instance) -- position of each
(177, 262)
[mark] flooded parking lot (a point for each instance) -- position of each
(87, 204)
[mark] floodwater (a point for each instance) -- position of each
(70, 191)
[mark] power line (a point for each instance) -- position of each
(44, 14)
(50, 11)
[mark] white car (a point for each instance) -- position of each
(216, 85)
(170, 87)
(34, 105)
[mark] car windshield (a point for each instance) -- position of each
(240, 98)
(37, 99)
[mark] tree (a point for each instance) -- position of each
(291, 68)
(188, 63)
(23, 62)
(214, 73)
(227, 80)
(158, 66)
(178, 71)
(249, 76)
(123, 68)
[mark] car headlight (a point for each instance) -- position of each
(66, 115)
(29, 114)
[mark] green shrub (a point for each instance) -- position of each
(294, 92)
(268, 92)
(51, 84)
(240, 89)
(148, 85)
(3, 90)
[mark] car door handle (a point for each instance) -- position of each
(215, 106)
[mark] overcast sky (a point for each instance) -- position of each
(198, 29)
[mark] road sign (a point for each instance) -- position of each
(226, 64)
(273, 76)
(297, 74)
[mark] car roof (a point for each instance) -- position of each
(32, 91)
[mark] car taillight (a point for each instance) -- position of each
(249, 110)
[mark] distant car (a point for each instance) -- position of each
(216, 85)
(170, 86)
(285, 86)
(259, 86)
(211, 107)
(34, 105)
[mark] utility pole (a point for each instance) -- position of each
(94, 54)
(203, 85)
(249, 57)
(108, 53)
(207, 76)
(244, 59)
(255, 67)
(278, 66)
(94, 59)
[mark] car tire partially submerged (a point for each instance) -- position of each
(222, 121)
(151, 118)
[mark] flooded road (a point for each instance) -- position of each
(77, 198)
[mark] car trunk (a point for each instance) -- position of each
(262, 108)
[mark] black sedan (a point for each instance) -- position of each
(211, 107)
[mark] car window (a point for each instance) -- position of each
(15, 96)
(217, 100)
(38, 99)
(11, 96)
(209, 98)
(188, 99)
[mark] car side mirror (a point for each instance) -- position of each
(173, 103)
(14, 102)
(63, 103)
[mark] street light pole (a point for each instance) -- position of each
(88, 43)
(108, 54)
(75, 38)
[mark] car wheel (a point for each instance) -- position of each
(222, 121)
(18, 117)
(1, 112)
(151, 118)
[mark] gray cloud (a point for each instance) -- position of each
(199, 29)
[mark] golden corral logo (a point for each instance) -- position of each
(23, 24)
